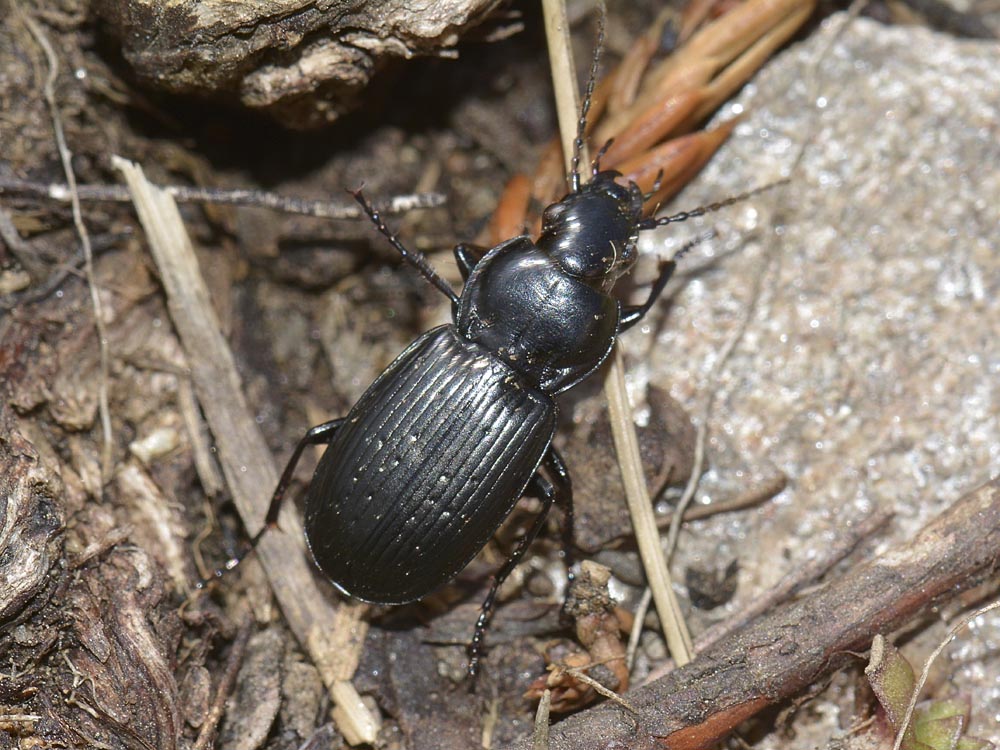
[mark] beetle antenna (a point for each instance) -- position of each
(581, 125)
(414, 257)
(710, 208)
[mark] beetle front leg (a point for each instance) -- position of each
(319, 435)
(538, 486)
(632, 314)
(467, 256)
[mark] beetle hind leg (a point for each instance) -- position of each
(544, 489)
(559, 490)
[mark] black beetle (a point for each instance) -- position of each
(433, 457)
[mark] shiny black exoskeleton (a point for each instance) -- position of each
(544, 308)
(433, 457)
(431, 460)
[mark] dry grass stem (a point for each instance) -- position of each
(540, 735)
(231, 197)
(922, 680)
(330, 634)
(66, 156)
(622, 425)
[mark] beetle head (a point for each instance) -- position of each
(592, 232)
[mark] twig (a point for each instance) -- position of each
(622, 424)
(963, 623)
(754, 496)
(66, 156)
(802, 575)
(791, 647)
(643, 519)
(204, 464)
(232, 197)
(26, 718)
(751, 497)
(490, 723)
(36, 294)
(71, 267)
(586, 679)
(218, 707)
(633, 637)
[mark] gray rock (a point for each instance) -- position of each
(869, 371)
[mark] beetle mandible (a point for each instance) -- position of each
(425, 467)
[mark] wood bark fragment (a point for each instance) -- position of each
(303, 61)
(779, 654)
(31, 519)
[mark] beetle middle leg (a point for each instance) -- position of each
(561, 492)
(321, 434)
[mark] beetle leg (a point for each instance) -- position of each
(540, 486)
(319, 435)
(466, 256)
(562, 494)
(556, 467)
(632, 314)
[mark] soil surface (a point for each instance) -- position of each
(866, 375)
